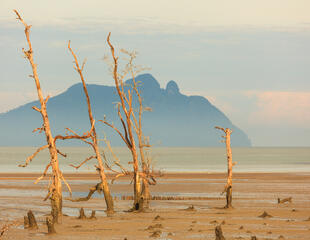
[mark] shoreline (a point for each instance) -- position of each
(182, 175)
(175, 193)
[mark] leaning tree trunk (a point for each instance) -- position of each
(55, 188)
(106, 190)
(94, 144)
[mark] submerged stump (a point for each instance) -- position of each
(93, 214)
(82, 214)
(50, 226)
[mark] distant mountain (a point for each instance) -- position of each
(175, 120)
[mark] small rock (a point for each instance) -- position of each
(190, 208)
(241, 227)
(158, 218)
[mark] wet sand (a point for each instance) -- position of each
(253, 193)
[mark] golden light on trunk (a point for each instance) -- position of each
(230, 164)
(94, 142)
(54, 192)
(131, 127)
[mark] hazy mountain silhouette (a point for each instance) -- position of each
(175, 120)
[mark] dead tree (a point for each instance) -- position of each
(148, 178)
(230, 164)
(55, 187)
(130, 125)
(94, 142)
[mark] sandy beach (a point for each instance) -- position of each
(253, 193)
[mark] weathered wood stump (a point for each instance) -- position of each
(93, 214)
(50, 226)
(26, 222)
(32, 220)
(219, 233)
(82, 214)
(265, 215)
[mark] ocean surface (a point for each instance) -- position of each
(169, 159)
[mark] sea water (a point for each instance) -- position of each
(168, 159)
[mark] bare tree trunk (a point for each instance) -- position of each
(229, 170)
(129, 137)
(219, 233)
(94, 144)
(138, 200)
(50, 226)
(55, 188)
(32, 220)
(228, 187)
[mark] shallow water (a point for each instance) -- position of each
(181, 159)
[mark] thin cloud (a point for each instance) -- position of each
(280, 108)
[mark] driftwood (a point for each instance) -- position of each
(284, 200)
(32, 220)
(6, 227)
(82, 214)
(98, 187)
(219, 233)
(50, 226)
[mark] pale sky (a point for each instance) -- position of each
(250, 58)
